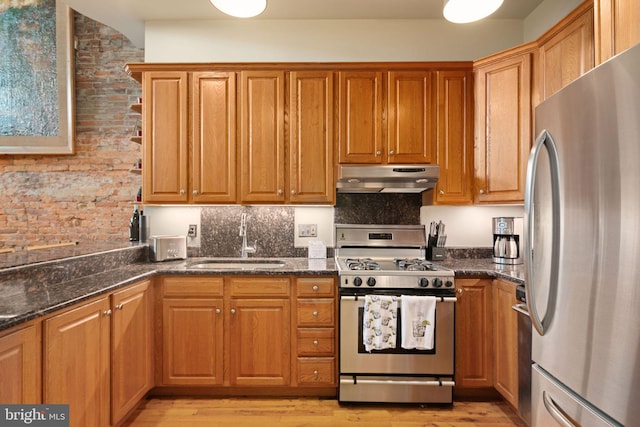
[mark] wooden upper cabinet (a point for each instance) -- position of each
(405, 135)
(165, 140)
(454, 124)
(565, 52)
(502, 125)
(213, 110)
(411, 116)
(311, 178)
(262, 139)
(360, 117)
(616, 27)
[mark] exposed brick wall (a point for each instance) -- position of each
(86, 196)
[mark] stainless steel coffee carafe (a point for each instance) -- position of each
(507, 240)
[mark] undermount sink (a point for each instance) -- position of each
(237, 264)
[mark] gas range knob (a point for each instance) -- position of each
(357, 281)
(448, 283)
(437, 282)
(424, 282)
(371, 281)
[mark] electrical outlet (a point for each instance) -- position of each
(307, 230)
(193, 230)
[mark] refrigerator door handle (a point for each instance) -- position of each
(543, 141)
(555, 411)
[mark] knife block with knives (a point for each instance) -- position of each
(436, 241)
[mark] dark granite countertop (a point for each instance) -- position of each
(26, 295)
(31, 291)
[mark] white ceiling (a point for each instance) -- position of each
(129, 16)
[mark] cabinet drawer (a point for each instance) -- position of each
(316, 371)
(316, 342)
(259, 287)
(316, 312)
(316, 287)
(201, 286)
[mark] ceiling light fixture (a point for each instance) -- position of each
(241, 8)
(464, 11)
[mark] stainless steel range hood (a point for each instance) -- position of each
(386, 179)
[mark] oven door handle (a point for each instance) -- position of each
(431, 383)
(355, 298)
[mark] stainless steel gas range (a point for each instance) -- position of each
(387, 263)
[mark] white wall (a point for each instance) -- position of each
(174, 221)
(546, 15)
(468, 226)
(326, 40)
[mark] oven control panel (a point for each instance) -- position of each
(396, 282)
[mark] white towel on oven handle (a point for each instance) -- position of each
(379, 322)
(417, 324)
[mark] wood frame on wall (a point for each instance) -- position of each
(63, 143)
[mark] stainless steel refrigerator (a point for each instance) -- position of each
(582, 249)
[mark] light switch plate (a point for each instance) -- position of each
(307, 230)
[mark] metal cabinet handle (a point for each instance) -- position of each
(442, 192)
(182, 191)
(119, 306)
(316, 373)
(391, 152)
(315, 288)
(233, 311)
(315, 342)
(107, 312)
(293, 191)
(459, 291)
(280, 191)
(195, 192)
(218, 311)
(315, 314)
(378, 153)
(481, 191)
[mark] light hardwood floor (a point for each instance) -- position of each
(310, 412)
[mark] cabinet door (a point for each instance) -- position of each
(259, 342)
(505, 337)
(20, 366)
(76, 363)
(502, 128)
(455, 137)
(360, 117)
(411, 133)
(164, 137)
(566, 52)
(474, 348)
(213, 109)
(311, 137)
(131, 348)
(617, 27)
(262, 155)
(192, 341)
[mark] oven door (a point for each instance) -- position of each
(355, 360)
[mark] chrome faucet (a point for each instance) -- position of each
(246, 250)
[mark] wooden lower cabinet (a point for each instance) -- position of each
(192, 331)
(315, 331)
(505, 339)
(259, 342)
(76, 362)
(20, 379)
(474, 338)
(131, 348)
